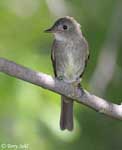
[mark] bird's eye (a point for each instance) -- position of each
(65, 27)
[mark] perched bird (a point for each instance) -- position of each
(69, 58)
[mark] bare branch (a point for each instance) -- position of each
(52, 84)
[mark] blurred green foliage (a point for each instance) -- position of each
(29, 114)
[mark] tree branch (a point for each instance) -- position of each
(52, 84)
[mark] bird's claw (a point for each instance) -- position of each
(60, 78)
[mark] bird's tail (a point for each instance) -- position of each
(66, 118)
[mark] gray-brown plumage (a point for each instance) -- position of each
(69, 57)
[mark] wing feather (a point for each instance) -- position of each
(53, 58)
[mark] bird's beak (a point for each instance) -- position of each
(50, 30)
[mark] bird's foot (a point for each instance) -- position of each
(60, 78)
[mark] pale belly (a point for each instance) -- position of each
(70, 65)
(69, 70)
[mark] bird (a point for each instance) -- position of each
(69, 55)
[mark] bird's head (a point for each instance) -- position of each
(64, 28)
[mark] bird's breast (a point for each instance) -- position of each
(69, 53)
(68, 60)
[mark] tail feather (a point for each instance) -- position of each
(66, 118)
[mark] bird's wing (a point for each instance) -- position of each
(53, 57)
(87, 54)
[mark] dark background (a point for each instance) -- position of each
(29, 114)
